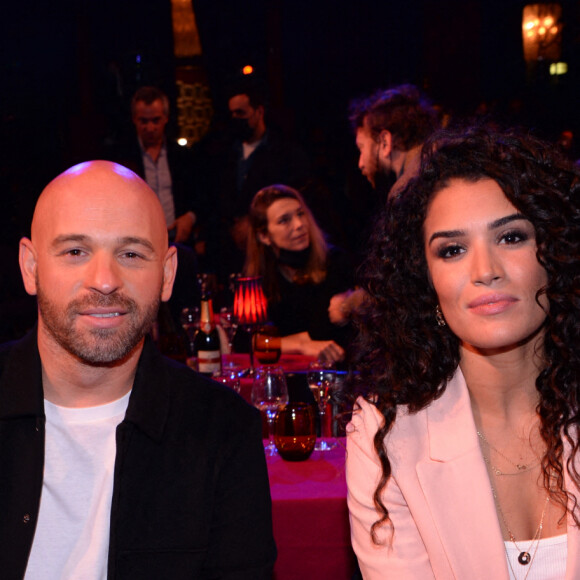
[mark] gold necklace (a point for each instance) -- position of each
(497, 471)
(521, 468)
(524, 557)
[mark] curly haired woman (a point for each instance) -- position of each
(463, 449)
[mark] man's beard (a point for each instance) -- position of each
(97, 346)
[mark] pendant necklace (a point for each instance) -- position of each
(521, 468)
(524, 557)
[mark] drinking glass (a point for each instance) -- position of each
(267, 345)
(190, 322)
(228, 324)
(269, 393)
(229, 377)
(295, 431)
(321, 379)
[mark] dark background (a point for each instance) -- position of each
(68, 70)
(57, 59)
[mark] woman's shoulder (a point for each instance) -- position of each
(412, 432)
(409, 430)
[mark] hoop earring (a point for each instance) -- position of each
(439, 316)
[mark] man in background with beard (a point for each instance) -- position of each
(391, 127)
(116, 462)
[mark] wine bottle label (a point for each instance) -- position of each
(209, 361)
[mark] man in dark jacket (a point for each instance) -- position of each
(162, 163)
(116, 462)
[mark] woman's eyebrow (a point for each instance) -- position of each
(506, 220)
(492, 226)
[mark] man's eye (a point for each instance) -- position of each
(75, 252)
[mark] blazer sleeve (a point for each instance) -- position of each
(401, 552)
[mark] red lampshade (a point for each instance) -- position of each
(249, 301)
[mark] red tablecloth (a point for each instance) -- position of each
(310, 517)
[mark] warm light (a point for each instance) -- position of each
(541, 32)
(186, 42)
(558, 68)
(250, 305)
(248, 69)
(182, 141)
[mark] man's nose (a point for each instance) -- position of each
(103, 274)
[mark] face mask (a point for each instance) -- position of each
(294, 259)
(240, 129)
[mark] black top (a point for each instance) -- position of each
(304, 307)
(190, 491)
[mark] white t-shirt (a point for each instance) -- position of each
(72, 534)
(549, 561)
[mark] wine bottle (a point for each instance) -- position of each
(207, 341)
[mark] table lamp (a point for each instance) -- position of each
(250, 306)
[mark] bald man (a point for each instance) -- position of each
(114, 461)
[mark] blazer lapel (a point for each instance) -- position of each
(573, 558)
(457, 489)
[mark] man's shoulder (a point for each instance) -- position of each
(23, 348)
(5, 350)
(201, 394)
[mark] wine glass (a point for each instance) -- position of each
(269, 393)
(229, 377)
(267, 344)
(190, 322)
(228, 324)
(321, 380)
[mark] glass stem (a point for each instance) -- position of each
(270, 415)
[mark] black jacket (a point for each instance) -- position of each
(186, 194)
(190, 495)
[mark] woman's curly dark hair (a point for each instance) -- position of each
(404, 357)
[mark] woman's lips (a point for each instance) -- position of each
(492, 303)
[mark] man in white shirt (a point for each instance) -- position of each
(163, 165)
(116, 462)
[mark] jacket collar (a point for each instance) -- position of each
(448, 416)
(21, 379)
(21, 392)
(455, 482)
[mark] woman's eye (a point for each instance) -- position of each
(450, 251)
(513, 237)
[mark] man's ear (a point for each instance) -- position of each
(385, 143)
(264, 238)
(27, 260)
(169, 271)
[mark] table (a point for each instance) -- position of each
(310, 517)
(309, 510)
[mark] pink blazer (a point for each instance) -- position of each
(439, 496)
